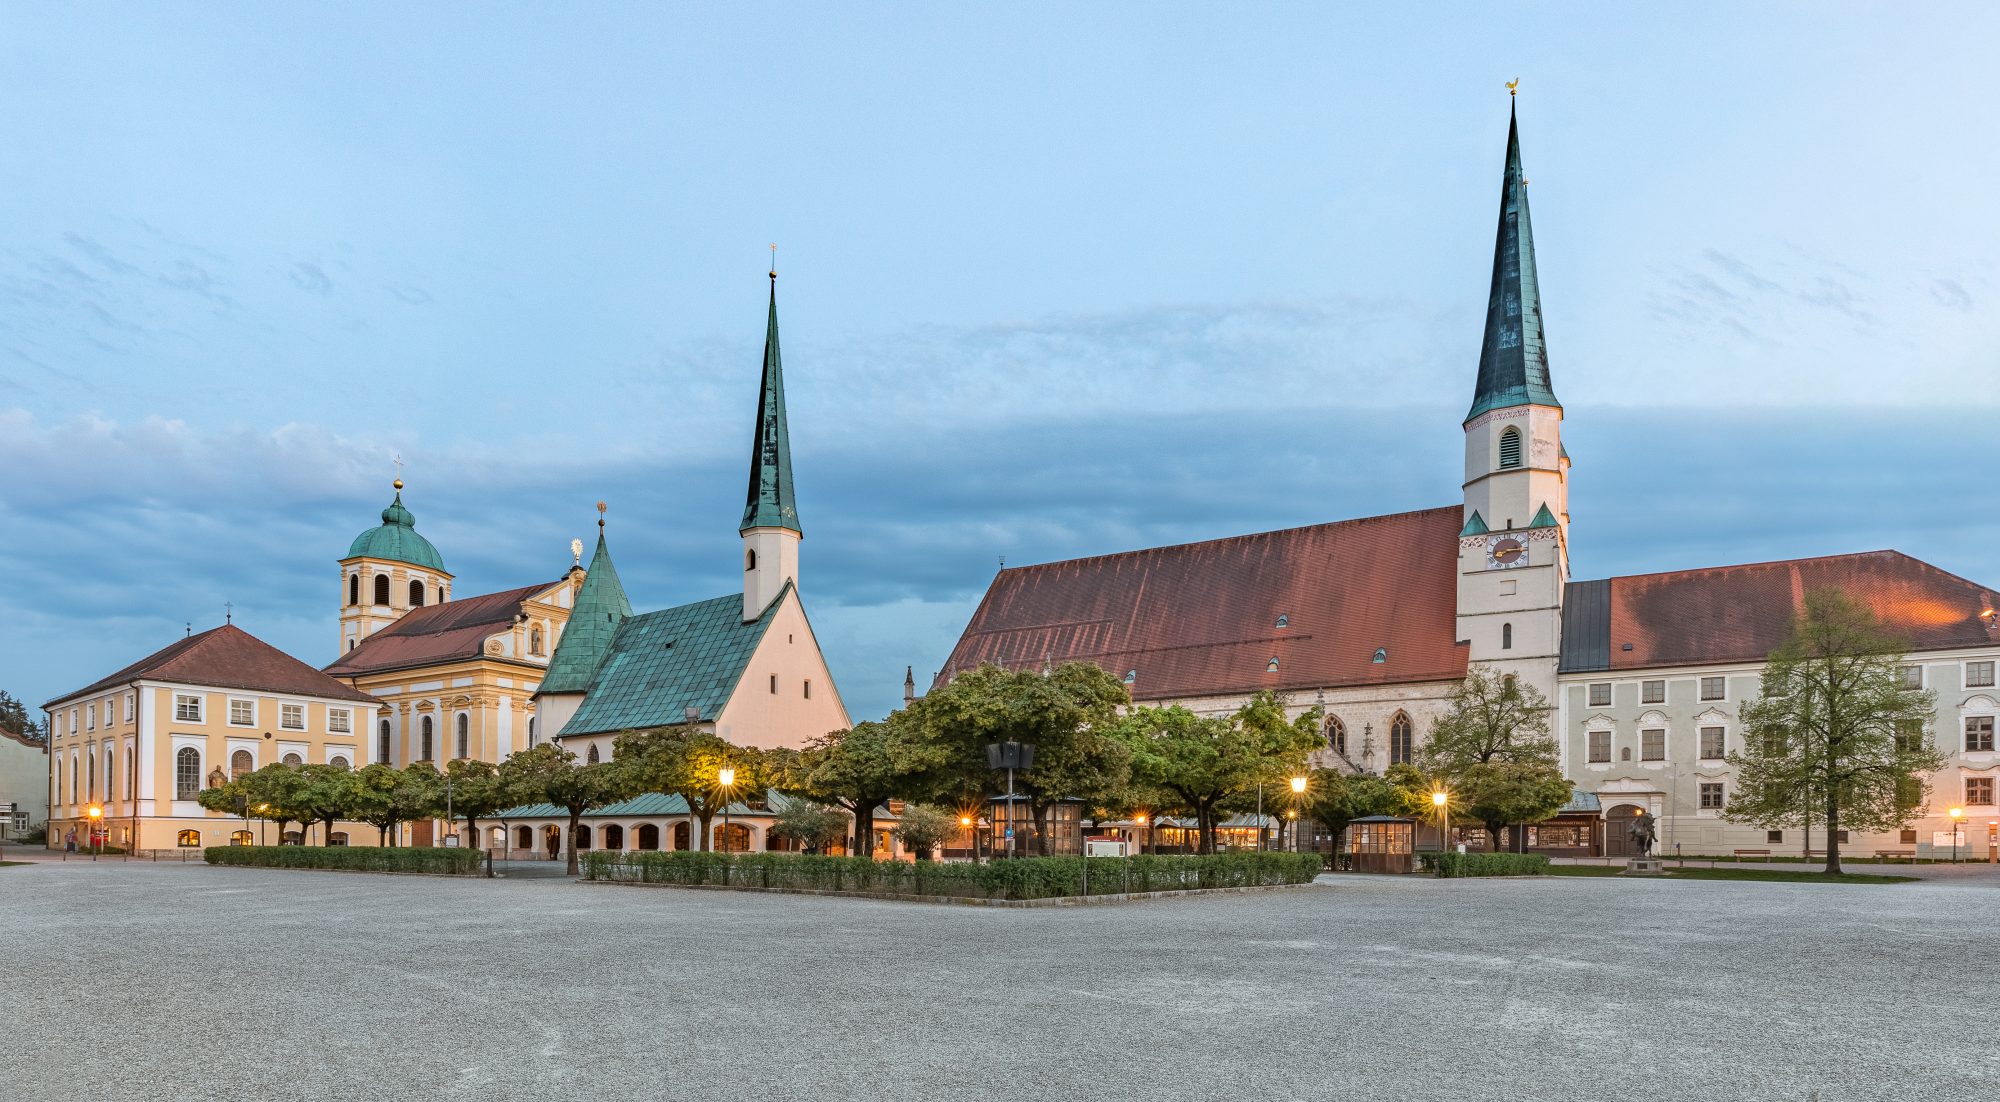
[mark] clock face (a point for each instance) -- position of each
(1506, 551)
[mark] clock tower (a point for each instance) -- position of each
(1513, 554)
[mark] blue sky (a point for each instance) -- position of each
(1057, 280)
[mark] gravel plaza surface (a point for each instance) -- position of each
(187, 982)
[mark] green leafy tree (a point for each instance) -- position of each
(1282, 747)
(477, 791)
(1493, 750)
(814, 825)
(1202, 762)
(688, 762)
(552, 774)
(1834, 730)
(15, 717)
(372, 798)
(866, 766)
(924, 826)
(327, 796)
(419, 793)
(1068, 713)
(1333, 799)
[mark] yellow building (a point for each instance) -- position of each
(457, 678)
(142, 742)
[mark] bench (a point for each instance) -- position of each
(1909, 855)
(1753, 853)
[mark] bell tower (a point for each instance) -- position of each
(388, 571)
(1514, 547)
(770, 527)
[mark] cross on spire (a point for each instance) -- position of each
(229, 612)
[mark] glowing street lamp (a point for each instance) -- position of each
(96, 814)
(1956, 814)
(725, 779)
(1441, 800)
(1298, 794)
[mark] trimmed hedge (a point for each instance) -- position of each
(1021, 878)
(438, 860)
(1484, 864)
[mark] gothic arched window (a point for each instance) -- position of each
(464, 734)
(591, 757)
(187, 773)
(427, 741)
(1336, 735)
(381, 589)
(1510, 448)
(382, 742)
(354, 589)
(1401, 737)
(416, 594)
(1506, 637)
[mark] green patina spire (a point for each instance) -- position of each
(1543, 518)
(770, 503)
(601, 607)
(1513, 361)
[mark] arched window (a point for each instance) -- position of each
(1506, 637)
(1401, 737)
(464, 735)
(614, 837)
(1336, 735)
(188, 839)
(535, 640)
(649, 836)
(242, 838)
(749, 559)
(591, 758)
(382, 742)
(340, 762)
(240, 763)
(90, 777)
(583, 837)
(524, 838)
(426, 741)
(131, 777)
(416, 594)
(440, 595)
(533, 734)
(187, 773)
(1510, 448)
(381, 589)
(58, 780)
(354, 589)
(293, 759)
(337, 838)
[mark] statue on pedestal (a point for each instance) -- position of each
(1643, 833)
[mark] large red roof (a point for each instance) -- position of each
(450, 632)
(229, 658)
(1742, 613)
(1201, 619)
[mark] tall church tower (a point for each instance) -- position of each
(387, 571)
(1513, 552)
(770, 526)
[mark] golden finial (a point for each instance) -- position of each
(601, 507)
(774, 261)
(399, 472)
(1512, 85)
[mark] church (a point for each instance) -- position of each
(1376, 619)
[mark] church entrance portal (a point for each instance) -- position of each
(1618, 830)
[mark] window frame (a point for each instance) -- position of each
(1646, 690)
(340, 721)
(1985, 736)
(1984, 664)
(188, 708)
(1721, 687)
(1703, 791)
(1651, 739)
(1590, 699)
(1590, 746)
(286, 706)
(1720, 744)
(1910, 682)
(249, 703)
(1978, 791)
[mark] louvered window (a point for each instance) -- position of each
(1510, 448)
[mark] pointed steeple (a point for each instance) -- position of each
(770, 503)
(601, 606)
(1513, 361)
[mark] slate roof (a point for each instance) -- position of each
(663, 662)
(228, 658)
(770, 503)
(601, 605)
(659, 803)
(1199, 619)
(1741, 613)
(1513, 359)
(427, 636)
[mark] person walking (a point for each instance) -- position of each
(69, 840)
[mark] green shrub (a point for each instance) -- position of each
(1022, 878)
(438, 860)
(1484, 864)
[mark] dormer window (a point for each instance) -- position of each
(1510, 449)
(1284, 621)
(1272, 666)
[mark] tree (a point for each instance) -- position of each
(15, 717)
(1334, 799)
(418, 794)
(1493, 750)
(923, 826)
(478, 791)
(549, 772)
(1068, 713)
(327, 796)
(815, 826)
(372, 798)
(865, 766)
(1200, 761)
(687, 761)
(1834, 730)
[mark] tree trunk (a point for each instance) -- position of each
(706, 824)
(472, 831)
(326, 835)
(1832, 832)
(864, 827)
(1493, 835)
(1042, 841)
(575, 824)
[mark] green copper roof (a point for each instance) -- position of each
(601, 606)
(397, 539)
(770, 503)
(1543, 518)
(1513, 361)
(1474, 527)
(662, 663)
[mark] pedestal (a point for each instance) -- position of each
(1644, 866)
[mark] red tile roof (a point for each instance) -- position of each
(1200, 619)
(427, 636)
(1742, 613)
(228, 658)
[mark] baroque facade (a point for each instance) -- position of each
(1375, 620)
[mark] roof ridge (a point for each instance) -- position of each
(1454, 509)
(1776, 562)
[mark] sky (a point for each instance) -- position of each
(1055, 280)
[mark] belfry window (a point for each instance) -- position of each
(381, 589)
(1510, 448)
(749, 560)
(354, 589)
(416, 594)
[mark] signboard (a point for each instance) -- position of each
(1941, 839)
(1103, 847)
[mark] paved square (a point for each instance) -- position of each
(141, 981)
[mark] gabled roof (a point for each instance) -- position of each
(1742, 613)
(1200, 619)
(601, 605)
(228, 658)
(427, 636)
(662, 663)
(1513, 360)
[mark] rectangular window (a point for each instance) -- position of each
(1908, 837)
(292, 717)
(90, 717)
(1978, 733)
(1711, 743)
(1979, 675)
(1711, 795)
(72, 721)
(1600, 746)
(187, 707)
(1913, 677)
(1652, 692)
(1840, 836)
(338, 721)
(1653, 745)
(1979, 791)
(1910, 736)
(774, 684)
(1712, 688)
(809, 690)
(1774, 837)
(242, 713)
(128, 707)
(1600, 695)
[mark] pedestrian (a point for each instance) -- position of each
(69, 840)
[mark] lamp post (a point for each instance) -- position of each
(725, 779)
(1147, 838)
(96, 814)
(1956, 814)
(971, 839)
(1441, 800)
(1298, 796)
(1010, 756)
(261, 809)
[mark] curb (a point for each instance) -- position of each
(969, 900)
